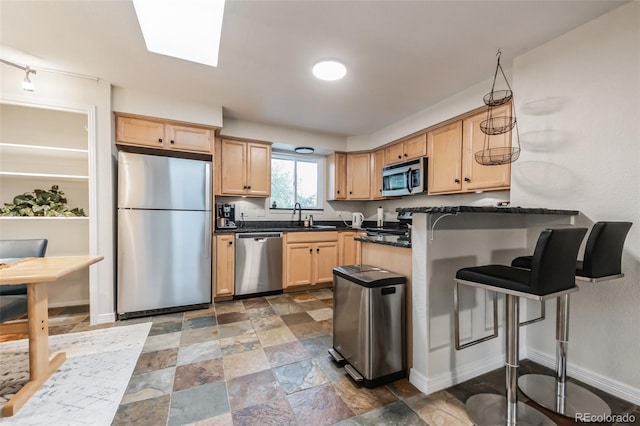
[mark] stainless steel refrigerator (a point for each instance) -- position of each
(164, 234)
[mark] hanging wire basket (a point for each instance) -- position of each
(497, 97)
(497, 156)
(497, 125)
(492, 126)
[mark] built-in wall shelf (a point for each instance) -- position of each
(43, 175)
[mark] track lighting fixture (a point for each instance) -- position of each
(27, 84)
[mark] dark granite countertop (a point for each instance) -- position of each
(388, 240)
(285, 226)
(486, 209)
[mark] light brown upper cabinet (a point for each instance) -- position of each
(409, 149)
(152, 133)
(377, 160)
(475, 175)
(245, 168)
(336, 176)
(445, 158)
(359, 176)
(452, 164)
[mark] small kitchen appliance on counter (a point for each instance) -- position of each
(225, 216)
(369, 324)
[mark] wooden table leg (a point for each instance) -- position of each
(40, 368)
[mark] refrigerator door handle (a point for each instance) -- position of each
(207, 187)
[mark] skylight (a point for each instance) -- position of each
(185, 29)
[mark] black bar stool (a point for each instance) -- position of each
(602, 262)
(551, 275)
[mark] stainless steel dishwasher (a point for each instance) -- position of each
(258, 263)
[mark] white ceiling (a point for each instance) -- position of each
(402, 56)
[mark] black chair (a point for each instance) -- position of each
(13, 298)
(551, 275)
(602, 262)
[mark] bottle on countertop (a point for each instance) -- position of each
(310, 220)
(380, 222)
(306, 221)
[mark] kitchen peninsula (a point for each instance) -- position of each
(443, 240)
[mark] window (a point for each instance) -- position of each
(296, 179)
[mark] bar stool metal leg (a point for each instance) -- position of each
(490, 409)
(557, 394)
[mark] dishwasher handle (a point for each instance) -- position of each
(259, 237)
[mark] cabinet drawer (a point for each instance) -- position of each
(311, 237)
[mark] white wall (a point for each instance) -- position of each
(155, 105)
(67, 92)
(283, 137)
(578, 107)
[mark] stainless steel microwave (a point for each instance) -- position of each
(406, 178)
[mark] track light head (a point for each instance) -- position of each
(27, 84)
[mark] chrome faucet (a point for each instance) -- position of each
(297, 205)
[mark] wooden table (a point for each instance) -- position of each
(37, 272)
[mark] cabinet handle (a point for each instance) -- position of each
(400, 156)
(457, 181)
(160, 140)
(310, 250)
(406, 155)
(380, 190)
(467, 179)
(318, 250)
(249, 187)
(172, 141)
(350, 192)
(338, 191)
(230, 242)
(244, 187)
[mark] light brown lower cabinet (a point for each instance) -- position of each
(349, 248)
(309, 259)
(223, 267)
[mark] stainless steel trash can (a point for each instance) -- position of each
(369, 323)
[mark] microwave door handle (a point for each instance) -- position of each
(408, 180)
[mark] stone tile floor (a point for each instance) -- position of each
(264, 361)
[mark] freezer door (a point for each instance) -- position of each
(163, 183)
(164, 259)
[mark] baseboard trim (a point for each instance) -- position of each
(429, 385)
(621, 390)
(71, 303)
(106, 318)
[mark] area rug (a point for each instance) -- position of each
(88, 386)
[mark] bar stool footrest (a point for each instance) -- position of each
(577, 400)
(486, 409)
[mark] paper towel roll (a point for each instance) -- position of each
(380, 217)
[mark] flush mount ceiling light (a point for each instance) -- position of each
(329, 70)
(304, 150)
(185, 29)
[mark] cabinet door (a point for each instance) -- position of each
(415, 147)
(224, 270)
(336, 176)
(377, 157)
(298, 258)
(326, 258)
(258, 169)
(445, 158)
(233, 159)
(475, 175)
(186, 138)
(394, 153)
(136, 131)
(359, 176)
(349, 249)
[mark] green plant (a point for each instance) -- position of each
(41, 202)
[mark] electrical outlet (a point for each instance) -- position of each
(338, 212)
